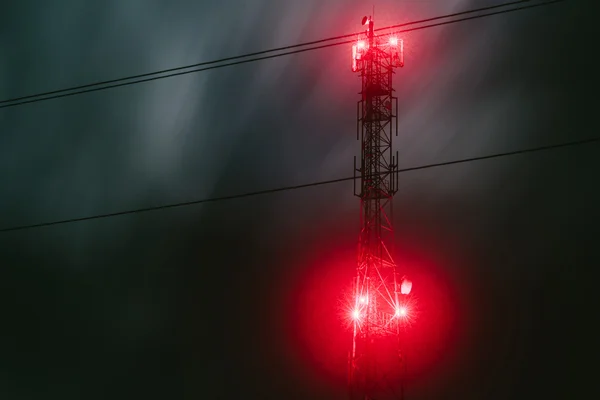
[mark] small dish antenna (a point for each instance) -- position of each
(365, 20)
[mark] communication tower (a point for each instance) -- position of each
(376, 361)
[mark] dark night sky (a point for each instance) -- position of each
(238, 299)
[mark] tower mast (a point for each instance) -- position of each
(378, 307)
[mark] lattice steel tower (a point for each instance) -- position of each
(376, 359)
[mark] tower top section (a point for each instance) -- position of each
(368, 46)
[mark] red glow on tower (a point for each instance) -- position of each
(321, 295)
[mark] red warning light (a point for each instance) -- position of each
(355, 314)
(361, 44)
(394, 41)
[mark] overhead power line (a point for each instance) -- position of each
(253, 54)
(296, 187)
(245, 58)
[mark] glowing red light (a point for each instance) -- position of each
(401, 312)
(355, 314)
(363, 299)
(394, 41)
(361, 44)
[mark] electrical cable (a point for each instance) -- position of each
(535, 5)
(220, 63)
(456, 14)
(251, 54)
(302, 186)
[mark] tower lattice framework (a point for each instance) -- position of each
(378, 313)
